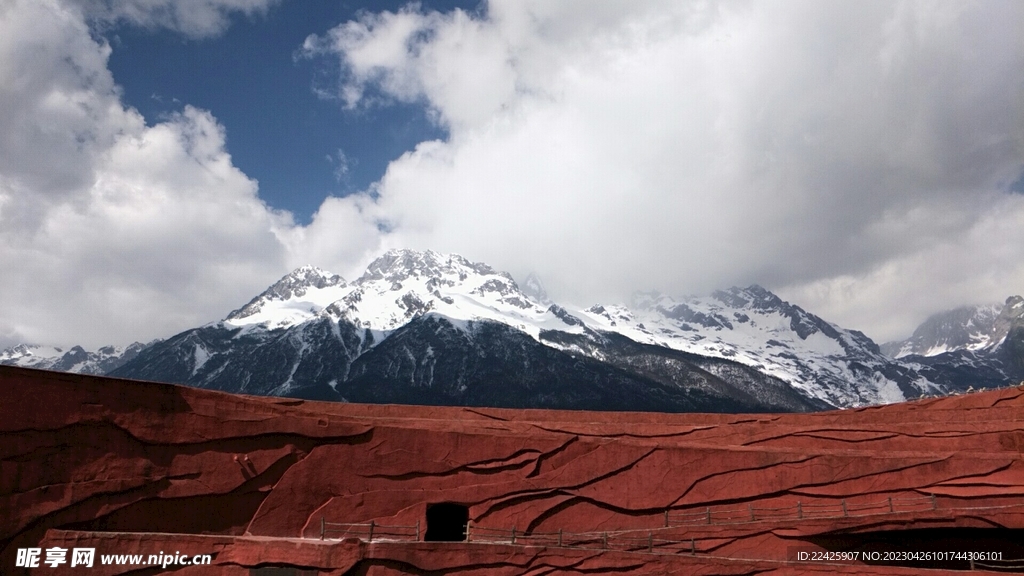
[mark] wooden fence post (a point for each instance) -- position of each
(650, 542)
(468, 525)
(604, 537)
(418, 530)
(934, 506)
(750, 507)
(844, 507)
(666, 518)
(370, 539)
(799, 510)
(559, 537)
(513, 534)
(890, 505)
(708, 512)
(323, 527)
(693, 547)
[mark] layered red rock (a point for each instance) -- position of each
(127, 465)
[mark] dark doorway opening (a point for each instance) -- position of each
(446, 522)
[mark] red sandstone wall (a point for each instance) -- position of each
(111, 455)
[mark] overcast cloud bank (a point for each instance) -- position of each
(856, 158)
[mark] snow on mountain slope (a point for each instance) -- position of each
(397, 287)
(312, 325)
(977, 346)
(297, 297)
(756, 328)
(751, 326)
(966, 328)
(74, 359)
(969, 328)
(30, 355)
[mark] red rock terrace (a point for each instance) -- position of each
(275, 487)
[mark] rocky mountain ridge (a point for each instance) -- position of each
(971, 328)
(971, 345)
(424, 327)
(75, 359)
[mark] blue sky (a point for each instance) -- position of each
(254, 80)
(162, 161)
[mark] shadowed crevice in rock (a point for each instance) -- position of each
(568, 430)
(485, 415)
(143, 510)
(484, 467)
(102, 435)
(537, 566)
(738, 471)
(833, 434)
(574, 501)
(538, 464)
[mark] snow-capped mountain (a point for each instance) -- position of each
(983, 345)
(75, 359)
(397, 287)
(970, 328)
(424, 327)
(756, 328)
(433, 328)
(292, 299)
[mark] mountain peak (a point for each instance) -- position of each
(1015, 306)
(310, 276)
(534, 288)
(398, 265)
(964, 328)
(295, 284)
(75, 359)
(753, 296)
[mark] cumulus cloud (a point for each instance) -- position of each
(857, 158)
(111, 230)
(834, 152)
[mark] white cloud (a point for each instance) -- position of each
(111, 230)
(978, 265)
(342, 165)
(614, 146)
(194, 18)
(853, 156)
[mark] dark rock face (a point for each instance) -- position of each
(430, 361)
(136, 468)
(728, 382)
(259, 362)
(684, 313)
(1011, 353)
(565, 316)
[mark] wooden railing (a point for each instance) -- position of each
(369, 531)
(800, 511)
(658, 540)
